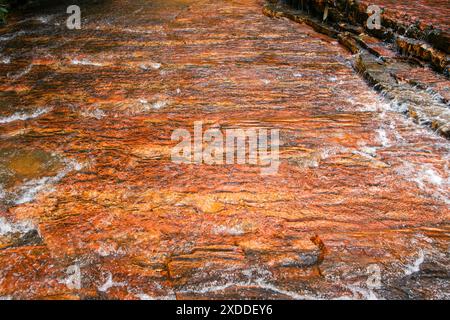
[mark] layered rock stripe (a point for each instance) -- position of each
(94, 208)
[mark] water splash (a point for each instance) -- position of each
(110, 283)
(427, 179)
(22, 116)
(85, 62)
(19, 227)
(160, 104)
(95, 113)
(216, 286)
(30, 189)
(224, 230)
(73, 279)
(415, 266)
(5, 60)
(106, 250)
(143, 296)
(20, 74)
(12, 36)
(359, 292)
(150, 65)
(382, 138)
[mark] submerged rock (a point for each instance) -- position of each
(26, 172)
(382, 66)
(132, 224)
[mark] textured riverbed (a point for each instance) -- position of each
(93, 207)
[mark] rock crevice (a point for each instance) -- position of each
(407, 82)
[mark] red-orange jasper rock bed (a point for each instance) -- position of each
(92, 207)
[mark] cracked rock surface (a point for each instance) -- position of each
(86, 119)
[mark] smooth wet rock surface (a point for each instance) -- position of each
(385, 67)
(360, 187)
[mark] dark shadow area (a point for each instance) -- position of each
(27, 7)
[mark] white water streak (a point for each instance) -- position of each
(22, 116)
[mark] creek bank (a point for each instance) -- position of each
(411, 87)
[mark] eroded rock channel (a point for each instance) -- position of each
(91, 205)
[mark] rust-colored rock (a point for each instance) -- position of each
(419, 28)
(360, 186)
(392, 74)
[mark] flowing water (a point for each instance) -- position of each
(91, 205)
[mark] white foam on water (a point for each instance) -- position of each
(372, 107)
(431, 176)
(371, 151)
(382, 137)
(143, 296)
(213, 286)
(427, 179)
(294, 295)
(259, 283)
(435, 95)
(362, 293)
(145, 105)
(235, 230)
(85, 62)
(30, 189)
(73, 279)
(22, 116)
(333, 79)
(415, 266)
(2, 192)
(155, 65)
(138, 10)
(422, 237)
(365, 151)
(141, 31)
(12, 36)
(387, 131)
(5, 60)
(110, 283)
(394, 105)
(106, 250)
(150, 65)
(44, 19)
(327, 152)
(96, 113)
(257, 273)
(297, 75)
(19, 227)
(265, 81)
(421, 174)
(159, 104)
(256, 277)
(20, 74)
